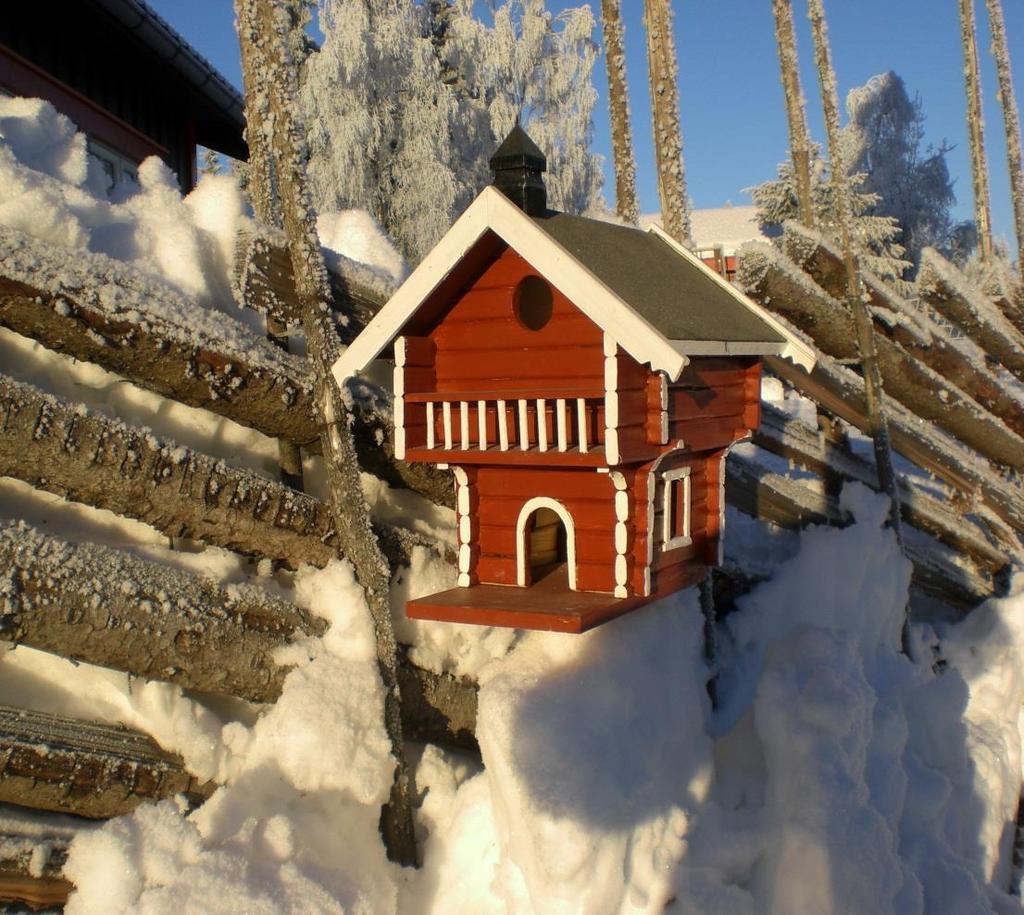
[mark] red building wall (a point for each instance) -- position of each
(482, 346)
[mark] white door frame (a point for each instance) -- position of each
(570, 537)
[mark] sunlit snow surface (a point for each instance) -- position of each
(835, 776)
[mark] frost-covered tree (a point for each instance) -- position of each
(796, 116)
(900, 192)
(883, 141)
(626, 204)
(210, 162)
(876, 238)
(1011, 119)
(535, 67)
(300, 15)
(663, 74)
(976, 132)
(405, 102)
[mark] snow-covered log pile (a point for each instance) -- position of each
(771, 277)
(954, 410)
(134, 408)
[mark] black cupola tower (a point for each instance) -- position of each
(518, 166)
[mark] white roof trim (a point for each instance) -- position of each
(793, 349)
(493, 211)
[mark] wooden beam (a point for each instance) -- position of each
(106, 607)
(265, 282)
(841, 391)
(794, 440)
(30, 870)
(88, 458)
(948, 291)
(102, 311)
(96, 604)
(88, 769)
(275, 403)
(769, 278)
(914, 331)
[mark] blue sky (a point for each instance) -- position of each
(731, 100)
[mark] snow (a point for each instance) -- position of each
(836, 774)
(356, 235)
(726, 227)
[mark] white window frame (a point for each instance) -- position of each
(669, 479)
(123, 171)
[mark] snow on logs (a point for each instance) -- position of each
(88, 458)
(30, 870)
(264, 282)
(92, 603)
(841, 391)
(789, 437)
(89, 769)
(102, 311)
(760, 493)
(950, 293)
(107, 607)
(911, 327)
(771, 279)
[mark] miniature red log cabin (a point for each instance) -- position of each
(584, 381)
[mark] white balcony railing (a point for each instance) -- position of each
(563, 424)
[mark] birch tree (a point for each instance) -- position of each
(663, 73)
(874, 393)
(626, 204)
(405, 102)
(976, 130)
(271, 84)
(796, 116)
(534, 67)
(1011, 119)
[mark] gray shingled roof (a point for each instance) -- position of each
(673, 295)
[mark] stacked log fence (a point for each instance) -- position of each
(951, 364)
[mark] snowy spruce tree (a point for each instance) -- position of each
(901, 193)
(876, 238)
(405, 102)
(883, 141)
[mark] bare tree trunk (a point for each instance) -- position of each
(976, 130)
(874, 392)
(1011, 119)
(269, 75)
(626, 204)
(261, 192)
(799, 140)
(260, 165)
(663, 73)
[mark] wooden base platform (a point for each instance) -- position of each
(548, 605)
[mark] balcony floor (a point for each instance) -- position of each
(547, 605)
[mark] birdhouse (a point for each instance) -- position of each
(584, 381)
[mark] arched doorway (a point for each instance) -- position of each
(546, 545)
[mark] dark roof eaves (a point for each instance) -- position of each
(137, 15)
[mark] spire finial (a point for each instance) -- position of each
(518, 166)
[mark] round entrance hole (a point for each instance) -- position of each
(533, 302)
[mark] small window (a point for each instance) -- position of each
(118, 173)
(676, 509)
(533, 302)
